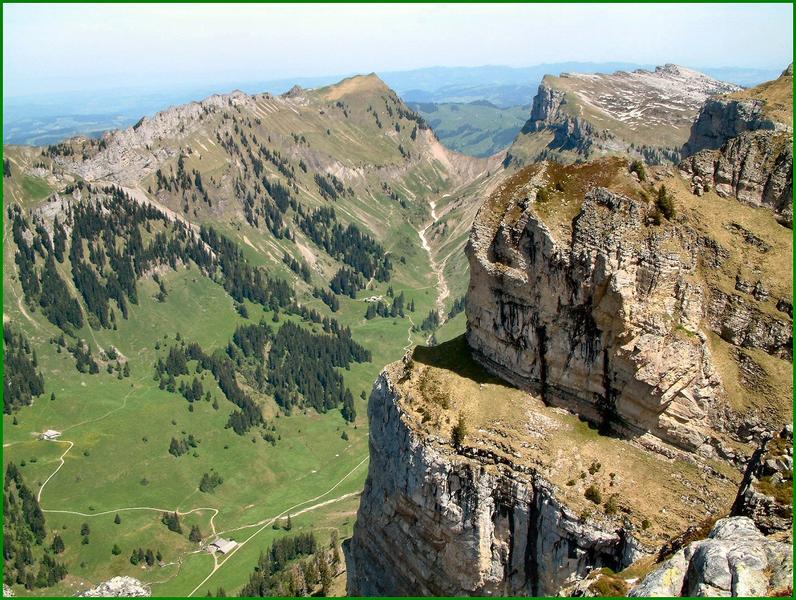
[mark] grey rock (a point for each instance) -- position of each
(119, 587)
(432, 522)
(772, 461)
(735, 560)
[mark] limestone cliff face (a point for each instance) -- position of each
(433, 521)
(742, 145)
(604, 314)
(593, 321)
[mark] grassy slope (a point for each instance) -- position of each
(121, 428)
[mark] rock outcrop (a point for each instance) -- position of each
(644, 113)
(121, 587)
(735, 560)
(766, 493)
(575, 295)
(742, 145)
(515, 507)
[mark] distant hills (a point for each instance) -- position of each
(49, 119)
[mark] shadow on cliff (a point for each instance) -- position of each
(455, 356)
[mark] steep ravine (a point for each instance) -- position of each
(442, 287)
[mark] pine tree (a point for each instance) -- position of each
(117, 519)
(116, 551)
(195, 535)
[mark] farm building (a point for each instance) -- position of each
(50, 435)
(222, 545)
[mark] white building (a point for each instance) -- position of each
(222, 545)
(50, 435)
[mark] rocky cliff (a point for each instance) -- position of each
(644, 113)
(643, 360)
(526, 501)
(766, 492)
(742, 145)
(579, 295)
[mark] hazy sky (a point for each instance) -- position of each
(51, 48)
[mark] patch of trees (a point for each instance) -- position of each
(347, 244)
(303, 366)
(299, 267)
(222, 369)
(458, 307)
(242, 280)
(172, 521)
(84, 361)
(251, 339)
(145, 557)
(192, 392)
(329, 186)
(182, 446)
(276, 159)
(380, 308)
(26, 559)
(280, 194)
(210, 481)
(347, 282)
(328, 298)
(431, 322)
(23, 381)
(294, 566)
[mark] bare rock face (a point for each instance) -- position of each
(722, 119)
(434, 522)
(742, 145)
(766, 493)
(755, 167)
(735, 560)
(592, 322)
(118, 587)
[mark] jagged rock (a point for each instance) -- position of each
(741, 323)
(735, 560)
(766, 492)
(742, 145)
(118, 587)
(755, 167)
(435, 523)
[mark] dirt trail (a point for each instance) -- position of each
(290, 511)
(438, 269)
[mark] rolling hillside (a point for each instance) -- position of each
(195, 291)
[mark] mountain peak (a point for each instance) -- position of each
(355, 85)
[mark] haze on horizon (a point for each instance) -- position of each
(61, 48)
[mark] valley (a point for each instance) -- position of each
(112, 456)
(196, 309)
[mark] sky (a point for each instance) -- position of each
(71, 47)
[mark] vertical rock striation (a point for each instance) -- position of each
(434, 522)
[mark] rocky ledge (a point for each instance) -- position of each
(478, 488)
